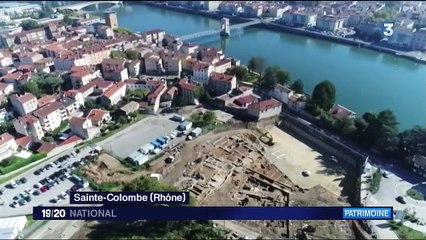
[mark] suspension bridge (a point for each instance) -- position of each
(222, 29)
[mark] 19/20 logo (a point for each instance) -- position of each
(388, 28)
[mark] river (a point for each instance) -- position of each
(365, 80)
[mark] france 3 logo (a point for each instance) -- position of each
(388, 28)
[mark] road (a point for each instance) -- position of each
(237, 228)
(59, 229)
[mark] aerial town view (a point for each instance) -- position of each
(239, 103)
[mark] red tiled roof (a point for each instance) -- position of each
(215, 76)
(70, 140)
(102, 84)
(3, 85)
(23, 98)
(24, 141)
(171, 90)
(5, 137)
(47, 109)
(27, 119)
(265, 104)
(45, 100)
(26, 67)
(115, 88)
(96, 114)
(46, 147)
(246, 99)
(77, 121)
(71, 93)
(12, 76)
(154, 93)
(86, 87)
(189, 86)
(80, 73)
(201, 65)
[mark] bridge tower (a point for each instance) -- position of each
(224, 27)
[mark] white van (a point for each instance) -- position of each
(13, 184)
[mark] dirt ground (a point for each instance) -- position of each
(108, 169)
(293, 156)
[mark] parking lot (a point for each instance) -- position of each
(43, 198)
(132, 138)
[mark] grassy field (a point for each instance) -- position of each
(404, 232)
(14, 162)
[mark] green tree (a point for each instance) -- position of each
(89, 104)
(297, 86)
(132, 54)
(413, 140)
(29, 24)
(137, 93)
(115, 54)
(256, 64)
(67, 21)
(7, 126)
(47, 82)
(324, 95)
(269, 80)
(240, 72)
(165, 42)
(209, 117)
(32, 88)
(283, 77)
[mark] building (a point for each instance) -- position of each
(115, 70)
(154, 97)
(211, 5)
(201, 72)
(83, 128)
(221, 83)
(81, 76)
(277, 11)
(99, 117)
(69, 106)
(8, 146)
(264, 109)
(299, 19)
(253, 10)
(76, 95)
(188, 91)
(418, 40)
(111, 19)
(245, 101)
(5, 59)
(172, 65)
(24, 104)
(281, 93)
(329, 23)
(18, 10)
(29, 58)
(105, 31)
(153, 64)
(130, 107)
(49, 116)
(5, 89)
(114, 94)
(134, 68)
(153, 36)
(222, 65)
(341, 113)
(29, 125)
(12, 227)
(418, 164)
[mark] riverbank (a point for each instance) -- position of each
(413, 56)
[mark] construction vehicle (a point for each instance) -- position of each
(267, 139)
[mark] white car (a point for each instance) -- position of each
(386, 174)
(64, 195)
(15, 204)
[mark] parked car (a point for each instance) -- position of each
(29, 191)
(306, 173)
(64, 195)
(44, 189)
(386, 174)
(15, 204)
(401, 199)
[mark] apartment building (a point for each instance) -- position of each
(5, 89)
(172, 65)
(134, 68)
(83, 75)
(114, 94)
(221, 83)
(99, 117)
(8, 146)
(418, 40)
(29, 58)
(201, 72)
(281, 93)
(83, 128)
(264, 109)
(24, 104)
(133, 84)
(299, 19)
(154, 97)
(115, 70)
(28, 125)
(329, 23)
(401, 37)
(76, 95)
(253, 10)
(153, 36)
(222, 65)
(69, 106)
(188, 91)
(49, 116)
(5, 59)
(153, 64)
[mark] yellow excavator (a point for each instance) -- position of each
(267, 139)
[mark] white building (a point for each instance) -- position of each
(329, 23)
(8, 146)
(418, 40)
(24, 104)
(401, 37)
(264, 109)
(29, 125)
(201, 72)
(49, 116)
(281, 93)
(299, 19)
(12, 227)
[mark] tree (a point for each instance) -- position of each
(132, 54)
(47, 82)
(202, 94)
(115, 54)
(67, 20)
(29, 24)
(89, 104)
(199, 56)
(283, 77)
(324, 95)
(269, 80)
(240, 72)
(209, 117)
(32, 88)
(297, 86)
(413, 141)
(256, 64)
